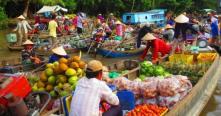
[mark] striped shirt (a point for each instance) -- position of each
(88, 95)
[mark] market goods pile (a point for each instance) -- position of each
(148, 110)
(63, 75)
(164, 92)
(194, 72)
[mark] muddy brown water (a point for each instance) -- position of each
(213, 108)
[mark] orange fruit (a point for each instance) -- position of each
(76, 59)
(63, 67)
(82, 64)
(74, 65)
(63, 60)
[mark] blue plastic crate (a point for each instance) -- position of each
(127, 99)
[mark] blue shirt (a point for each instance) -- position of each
(214, 29)
(54, 58)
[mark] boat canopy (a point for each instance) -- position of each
(52, 9)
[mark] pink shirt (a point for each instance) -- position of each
(119, 30)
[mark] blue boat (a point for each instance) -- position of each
(156, 16)
(118, 54)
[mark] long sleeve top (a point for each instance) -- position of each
(23, 26)
(88, 95)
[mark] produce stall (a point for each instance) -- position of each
(170, 88)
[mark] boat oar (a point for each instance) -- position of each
(90, 47)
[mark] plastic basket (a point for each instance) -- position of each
(11, 38)
(181, 58)
(206, 57)
(19, 87)
(38, 100)
(131, 64)
(127, 99)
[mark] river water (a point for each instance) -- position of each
(213, 108)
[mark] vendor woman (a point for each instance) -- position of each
(58, 53)
(90, 91)
(28, 53)
(159, 47)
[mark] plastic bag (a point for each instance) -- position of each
(150, 101)
(134, 86)
(168, 101)
(169, 86)
(121, 83)
(149, 88)
(185, 84)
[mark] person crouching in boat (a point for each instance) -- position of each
(99, 37)
(28, 54)
(58, 53)
(160, 49)
(91, 91)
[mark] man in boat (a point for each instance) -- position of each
(91, 91)
(58, 53)
(22, 28)
(80, 23)
(52, 27)
(28, 54)
(160, 49)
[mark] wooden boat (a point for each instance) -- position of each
(117, 54)
(195, 101)
(15, 48)
(14, 66)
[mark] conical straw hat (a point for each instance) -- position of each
(168, 26)
(59, 51)
(182, 19)
(118, 22)
(21, 17)
(28, 42)
(149, 36)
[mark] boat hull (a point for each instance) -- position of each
(118, 54)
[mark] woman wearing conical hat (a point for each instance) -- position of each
(28, 53)
(168, 33)
(58, 53)
(160, 49)
(181, 27)
(22, 28)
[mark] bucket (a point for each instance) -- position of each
(131, 64)
(18, 107)
(11, 38)
(127, 99)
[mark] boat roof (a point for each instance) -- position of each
(52, 9)
(155, 11)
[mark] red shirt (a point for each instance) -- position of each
(158, 46)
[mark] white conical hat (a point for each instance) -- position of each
(118, 22)
(59, 51)
(21, 17)
(149, 36)
(182, 19)
(28, 42)
(168, 26)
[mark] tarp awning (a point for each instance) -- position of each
(51, 9)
